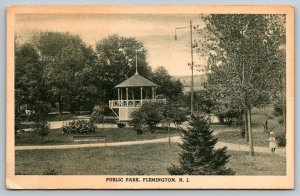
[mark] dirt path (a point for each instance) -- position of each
(175, 139)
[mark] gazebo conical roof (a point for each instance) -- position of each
(136, 81)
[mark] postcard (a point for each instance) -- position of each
(150, 97)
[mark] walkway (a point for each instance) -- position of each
(175, 139)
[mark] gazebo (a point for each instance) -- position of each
(128, 99)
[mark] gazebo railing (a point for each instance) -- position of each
(133, 103)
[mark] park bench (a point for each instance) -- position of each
(89, 138)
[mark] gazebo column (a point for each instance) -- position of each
(132, 94)
(153, 93)
(121, 95)
(141, 96)
(127, 96)
(118, 102)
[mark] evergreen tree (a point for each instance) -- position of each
(198, 156)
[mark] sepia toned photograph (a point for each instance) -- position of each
(150, 97)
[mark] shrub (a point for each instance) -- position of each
(198, 155)
(174, 170)
(281, 139)
(149, 115)
(97, 116)
(42, 128)
(17, 125)
(138, 121)
(50, 171)
(110, 120)
(280, 120)
(79, 127)
(121, 124)
(82, 112)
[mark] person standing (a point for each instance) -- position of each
(272, 142)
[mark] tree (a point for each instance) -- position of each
(168, 86)
(115, 63)
(150, 114)
(240, 51)
(173, 112)
(28, 76)
(67, 59)
(204, 101)
(198, 156)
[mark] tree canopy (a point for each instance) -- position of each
(78, 76)
(243, 58)
(169, 87)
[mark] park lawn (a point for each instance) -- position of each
(57, 137)
(148, 159)
(260, 138)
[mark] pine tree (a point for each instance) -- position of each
(198, 156)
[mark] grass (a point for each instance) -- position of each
(260, 138)
(61, 117)
(147, 159)
(57, 137)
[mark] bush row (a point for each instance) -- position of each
(79, 127)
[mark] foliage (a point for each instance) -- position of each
(174, 112)
(67, 60)
(79, 127)
(59, 117)
(198, 156)
(42, 128)
(97, 115)
(110, 120)
(247, 76)
(149, 115)
(204, 101)
(17, 125)
(281, 139)
(278, 108)
(245, 60)
(50, 171)
(121, 124)
(39, 117)
(169, 87)
(60, 69)
(30, 86)
(116, 63)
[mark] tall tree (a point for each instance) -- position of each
(65, 56)
(116, 61)
(168, 86)
(30, 86)
(198, 155)
(241, 50)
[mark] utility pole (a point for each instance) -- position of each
(192, 67)
(192, 63)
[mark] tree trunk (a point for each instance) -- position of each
(246, 126)
(284, 113)
(169, 138)
(251, 148)
(59, 105)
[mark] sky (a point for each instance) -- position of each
(155, 31)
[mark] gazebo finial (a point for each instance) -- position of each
(136, 70)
